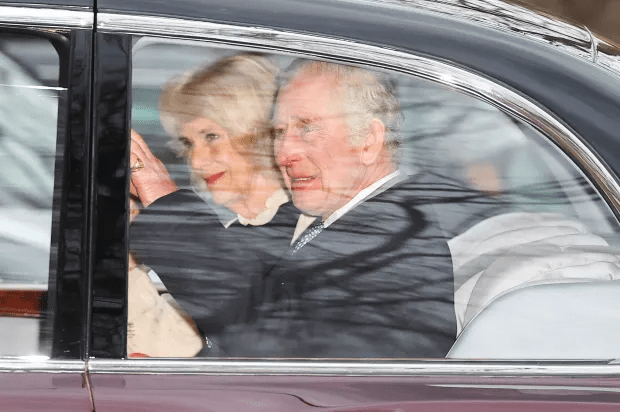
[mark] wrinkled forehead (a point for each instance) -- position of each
(308, 96)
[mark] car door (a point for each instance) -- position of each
(480, 122)
(45, 55)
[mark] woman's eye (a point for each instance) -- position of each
(187, 143)
(278, 132)
(210, 137)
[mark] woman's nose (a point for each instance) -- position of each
(200, 156)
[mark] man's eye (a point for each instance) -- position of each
(306, 127)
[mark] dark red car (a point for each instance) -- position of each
(516, 114)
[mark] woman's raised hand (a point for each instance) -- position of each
(149, 178)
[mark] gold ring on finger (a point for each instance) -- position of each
(137, 166)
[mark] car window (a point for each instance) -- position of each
(29, 96)
(293, 208)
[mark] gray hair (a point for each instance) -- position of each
(368, 95)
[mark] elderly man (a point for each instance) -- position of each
(371, 276)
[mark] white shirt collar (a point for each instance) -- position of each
(272, 204)
(231, 221)
(374, 189)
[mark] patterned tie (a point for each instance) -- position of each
(310, 233)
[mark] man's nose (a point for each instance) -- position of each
(288, 149)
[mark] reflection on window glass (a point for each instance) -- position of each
(28, 130)
(292, 208)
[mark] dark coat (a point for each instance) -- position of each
(376, 283)
(210, 270)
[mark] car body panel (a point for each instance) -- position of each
(32, 384)
(93, 219)
(347, 385)
(341, 393)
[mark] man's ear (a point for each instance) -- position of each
(373, 145)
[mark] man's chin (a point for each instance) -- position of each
(309, 205)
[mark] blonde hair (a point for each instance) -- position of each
(237, 92)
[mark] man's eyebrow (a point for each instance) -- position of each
(296, 120)
(308, 119)
(293, 120)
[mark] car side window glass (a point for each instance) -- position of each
(293, 208)
(29, 96)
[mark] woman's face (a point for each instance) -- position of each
(213, 158)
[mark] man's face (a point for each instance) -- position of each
(320, 167)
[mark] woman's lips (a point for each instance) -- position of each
(213, 178)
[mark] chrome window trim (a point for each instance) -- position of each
(47, 17)
(40, 364)
(404, 367)
(348, 51)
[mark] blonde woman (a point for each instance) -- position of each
(219, 118)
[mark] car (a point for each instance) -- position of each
(513, 113)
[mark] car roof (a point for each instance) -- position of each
(345, 14)
(370, 19)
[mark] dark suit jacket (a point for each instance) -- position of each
(376, 283)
